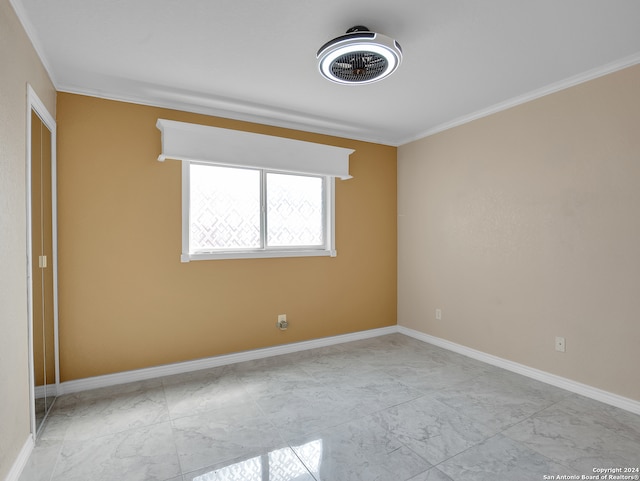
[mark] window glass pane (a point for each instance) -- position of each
(225, 208)
(294, 210)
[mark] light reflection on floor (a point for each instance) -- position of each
(279, 465)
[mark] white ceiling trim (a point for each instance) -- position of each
(33, 37)
(535, 94)
(237, 110)
(265, 115)
(234, 110)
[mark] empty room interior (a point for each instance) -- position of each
(335, 241)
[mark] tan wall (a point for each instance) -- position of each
(525, 225)
(20, 65)
(126, 300)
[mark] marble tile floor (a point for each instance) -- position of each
(384, 409)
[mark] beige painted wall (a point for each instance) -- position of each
(525, 225)
(20, 65)
(126, 300)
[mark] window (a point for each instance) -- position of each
(253, 195)
(237, 212)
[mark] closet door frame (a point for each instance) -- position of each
(34, 104)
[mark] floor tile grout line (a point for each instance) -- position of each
(486, 439)
(116, 433)
(55, 464)
(502, 433)
(556, 461)
(302, 461)
(173, 432)
(66, 441)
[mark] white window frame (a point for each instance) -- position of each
(327, 250)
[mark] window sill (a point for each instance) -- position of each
(271, 254)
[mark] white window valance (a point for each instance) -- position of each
(201, 143)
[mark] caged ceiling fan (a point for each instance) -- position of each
(359, 57)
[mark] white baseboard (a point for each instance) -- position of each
(21, 460)
(189, 366)
(46, 391)
(558, 381)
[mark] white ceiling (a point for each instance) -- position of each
(256, 59)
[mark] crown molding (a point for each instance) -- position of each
(261, 114)
(233, 109)
(266, 115)
(33, 36)
(533, 95)
(203, 104)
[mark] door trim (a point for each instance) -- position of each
(36, 105)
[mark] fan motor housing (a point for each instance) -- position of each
(358, 57)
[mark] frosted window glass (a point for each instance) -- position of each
(224, 208)
(294, 210)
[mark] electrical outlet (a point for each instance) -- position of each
(560, 344)
(282, 323)
(438, 314)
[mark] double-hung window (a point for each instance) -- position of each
(236, 212)
(253, 195)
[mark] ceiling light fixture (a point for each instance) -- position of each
(359, 57)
